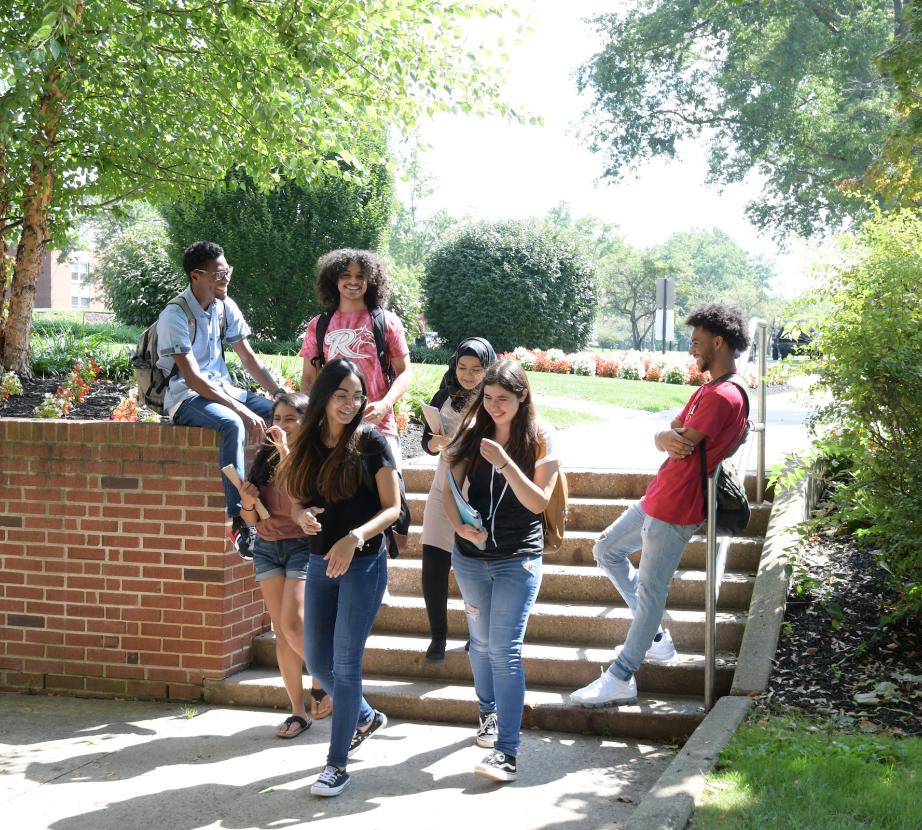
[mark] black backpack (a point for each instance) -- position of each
(377, 324)
(396, 534)
(148, 377)
(732, 501)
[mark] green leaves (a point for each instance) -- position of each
(514, 283)
(788, 89)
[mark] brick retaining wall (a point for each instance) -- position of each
(115, 576)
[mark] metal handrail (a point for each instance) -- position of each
(715, 562)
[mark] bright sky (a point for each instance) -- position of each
(495, 170)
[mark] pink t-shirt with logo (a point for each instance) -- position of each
(351, 335)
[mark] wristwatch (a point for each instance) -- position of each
(359, 540)
(278, 393)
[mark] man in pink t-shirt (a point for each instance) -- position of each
(663, 521)
(351, 284)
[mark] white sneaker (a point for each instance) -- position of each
(607, 690)
(662, 651)
(659, 652)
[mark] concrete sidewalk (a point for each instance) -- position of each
(73, 764)
(624, 441)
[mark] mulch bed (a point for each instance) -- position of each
(105, 395)
(97, 406)
(834, 658)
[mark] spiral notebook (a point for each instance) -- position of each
(467, 514)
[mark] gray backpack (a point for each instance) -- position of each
(151, 380)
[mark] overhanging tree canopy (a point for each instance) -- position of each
(103, 102)
(789, 89)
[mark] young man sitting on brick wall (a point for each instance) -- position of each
(663, 521)
(201, 392)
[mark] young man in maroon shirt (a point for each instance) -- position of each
(663, 521)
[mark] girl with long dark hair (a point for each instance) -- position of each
(280, 557)
(458, 389)
(342, 481)
(509, 463)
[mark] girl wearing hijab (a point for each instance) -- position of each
(460, 385)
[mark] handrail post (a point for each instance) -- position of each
(714, 563)
(710, 601)
(761, 411)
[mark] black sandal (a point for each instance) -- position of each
(319, 695)
(304, 724)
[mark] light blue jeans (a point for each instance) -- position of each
(201, 412)
(338, 615)
(644, 589)
(498, 597)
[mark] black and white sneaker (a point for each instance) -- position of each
(242, 536)
(497, 766)
(332, 781)
(486, 735)
(379, 721)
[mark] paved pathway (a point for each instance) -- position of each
(71, 764)
(623, 440)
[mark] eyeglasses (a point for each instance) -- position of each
(345, 399)
(218, 276)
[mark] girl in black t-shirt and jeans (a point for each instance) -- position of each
(510, 464)
(342, 481)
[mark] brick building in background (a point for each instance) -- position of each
(67, 284)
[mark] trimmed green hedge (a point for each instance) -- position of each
(515, 283)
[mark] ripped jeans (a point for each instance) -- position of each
(498, 597)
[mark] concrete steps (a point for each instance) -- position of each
(653, 717)
(595, 514)
(578, 620)
(587, 583)
(403, 655)
(577, 545)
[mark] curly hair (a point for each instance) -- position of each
(198, 253)
(725, 321)
(332, 265)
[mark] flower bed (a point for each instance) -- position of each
(673, 367)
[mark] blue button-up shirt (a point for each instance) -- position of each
(173, 337)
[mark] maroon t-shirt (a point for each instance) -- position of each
(675, 495)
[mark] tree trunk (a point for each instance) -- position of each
(4, 218)
(36, 206)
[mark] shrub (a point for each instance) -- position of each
(406, 298)
(870, 364)
(511, 282)
(607, 368)
(674, 373)
(438, 355)
(274, 239)
(137, 276)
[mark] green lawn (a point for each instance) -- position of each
(631, 394)
(566, 418)
(782, 773)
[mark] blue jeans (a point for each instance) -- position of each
(498, 597)
(338, 615)
(644, 589)
(201, 412)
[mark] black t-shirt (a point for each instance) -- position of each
(338, 518)
(512, 530)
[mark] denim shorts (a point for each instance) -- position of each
(286, 557)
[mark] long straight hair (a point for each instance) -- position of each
(267, 459)
(477, 423)
(304, 473)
